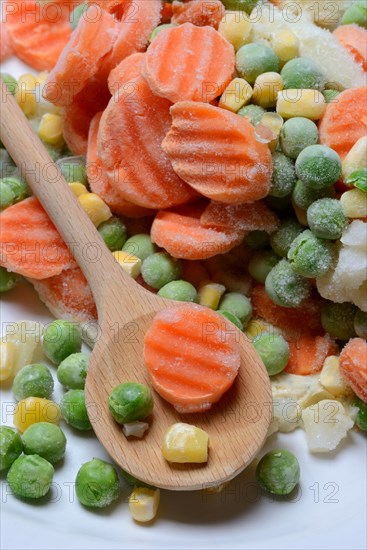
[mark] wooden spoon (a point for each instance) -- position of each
(237, 425)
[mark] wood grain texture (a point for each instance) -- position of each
(237, 425)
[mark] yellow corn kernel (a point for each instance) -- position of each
(143, 503)
(41, 77)
(26, 94)
(331, 378)
(306, 103)
(210, 293)
(50, 129)
(78, 188)
(285, 45)
(301, 215)
(129, 263)
(237, 94)
(266, 88)
(35, 409)
(95, 207)
(217, 488)
(185, 443)
(257, 327)
(7, 360)
(273, 122)
(236, 28)
(356, 158)
(354, 203)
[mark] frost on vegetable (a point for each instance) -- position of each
(326, 424)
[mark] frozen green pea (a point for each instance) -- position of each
(159, 269)
(254, 59)
(8, 280)
(330, 95)
(7, 197)
(278, 472)
(360, 324)
(72, 371)
(278, 203)
(304, 195)
(131, 480)
(182, 291)
(129, 402)
(361, 418)
(283, 237)
(97, 484)
(284, 175)
(113, 232)
(240, 5)
(238, 304)
(10, 82)
(273, 350)
(303, 73)
(310, 256)
(140, 245)
(262, 263)
(159, 29)
(233, 318)
(254, 113)
(358, 179)
(61, 339)
(356, 13)
(11, 446)
(46, 440)
(326, 218)
(30, 476)
(74, 410)
(257, 240)
(76, 15)
(33, 381)
(7, 165)
(296, 134)
(285, 287)
(12, 190)
(338, 319)
(318, 166)
(73, 169)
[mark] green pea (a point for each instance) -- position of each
(360, 324)
(12, 190)
(310, 256)
(33, 381)
(159, 29)
(7, 197)
(131, 480)
(261, 264)
(283, 237)
(72, 371)
(296, 134)
(73, 169)
(46, 440)
(358, 179)
(330, 95)
(254, 59)
(7, 165)
(257, 239)
(74, 410)
(61, 339)
(233, 318)
(10, 82)
(278, 472)
(8, 280)
(361, 418)
(76, 15)
(130, 401)
(285, 287)
(284, 176)
(303, 73)
(11, 446)
(182, 291)
(114, 233)
(356, 13)
(338, 319)
(254, 113)
(318, 166)
(240, 5)
(304, 195)
(238, 304)
(30, 476)
(97, 484)
(278, 203)
(140, 245)
(326, 218)
(159, 269)
(273, 350)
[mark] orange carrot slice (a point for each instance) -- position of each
(308, 353)
(344, 121)
(194, 272)
(354, 39)
(353, 366)
(215, 151)
(29, 242)
(189, 63)
(180, 232)
(190, 363)
(251, 216)
(198, 12)
(6, 46)
(166, 12)
(125, 72)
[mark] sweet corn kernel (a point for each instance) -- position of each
(78, 188)
(210, 293)
(7, 360)
(217, 488)
(306, 103)
(35, 409)
(257, 327)
(356, 158)
(129, 263)
(266, 88)
(237, 94)
(26, 94)
(50, 129)
(285, 45)
(185, 443)
(236, 28)
(331, 378)
(41, 77)
(95, 207)
(143, 503)
(301, 215)
(354, 203)
(274, 122)
(27, 339)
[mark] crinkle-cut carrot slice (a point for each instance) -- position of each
(189, 63)
(125, 72)
(38, 32)
(190, 363)
(308, 353)
(344, 121)
(6, 46)
(198, 12)
(215, 151)
(180, 232)
(68, 295)
(166, 12)
(102, 184)
(81, 58)
(250, 216)
(29, 242)
(354, 39)
(129, 142)
(353, 366)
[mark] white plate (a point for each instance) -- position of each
(328, 511)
